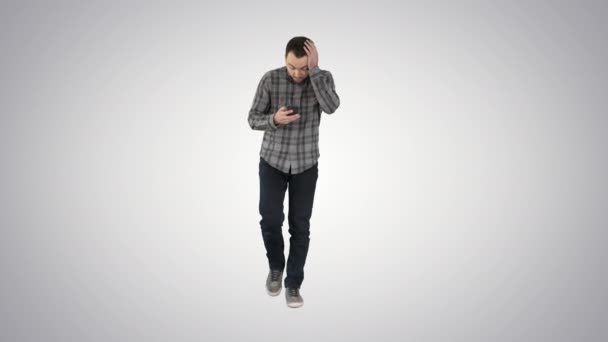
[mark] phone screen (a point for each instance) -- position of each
(295, 110)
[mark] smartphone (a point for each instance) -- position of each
(294, 108)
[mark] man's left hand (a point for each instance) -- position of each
(313, 55)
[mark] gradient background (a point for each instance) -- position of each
(462, 192)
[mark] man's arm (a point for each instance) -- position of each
(325, 89)
(259, 118)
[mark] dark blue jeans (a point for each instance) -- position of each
(273, 184)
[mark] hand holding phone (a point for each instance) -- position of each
(294, 108)
(283, 117)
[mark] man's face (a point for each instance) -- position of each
(297, 67)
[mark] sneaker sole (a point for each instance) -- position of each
(273, 294)
(295, 305)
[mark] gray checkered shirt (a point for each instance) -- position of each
(294, 146)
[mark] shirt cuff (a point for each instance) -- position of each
(271, 122)
(314, 71)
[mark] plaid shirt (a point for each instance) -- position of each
(294, 146)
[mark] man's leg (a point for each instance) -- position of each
(301, 197)
(273, 184)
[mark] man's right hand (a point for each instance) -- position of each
(281, 117)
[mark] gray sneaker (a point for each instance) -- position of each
(294, 299)
(273, 282)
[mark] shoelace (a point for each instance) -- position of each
(275, 275)
(294, 292)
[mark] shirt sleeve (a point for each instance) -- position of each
(259, 118)
(325, 90)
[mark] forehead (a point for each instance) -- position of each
(296, 62)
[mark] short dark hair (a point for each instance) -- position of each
(296, 45)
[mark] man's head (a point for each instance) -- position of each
(296, 59)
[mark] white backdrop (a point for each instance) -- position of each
(461, 192)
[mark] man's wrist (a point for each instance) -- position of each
(314, 70)
(273, 123)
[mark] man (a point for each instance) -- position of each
(289, 157)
